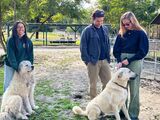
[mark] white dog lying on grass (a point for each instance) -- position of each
(18, 99)
(112, 99)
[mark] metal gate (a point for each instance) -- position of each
(151, 63)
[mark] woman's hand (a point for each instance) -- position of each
(125, 62)
(119, 65)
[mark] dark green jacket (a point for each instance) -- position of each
(18, 51)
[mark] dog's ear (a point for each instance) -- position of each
(120, 74)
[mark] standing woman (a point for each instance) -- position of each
(19, 48)
(130, 48)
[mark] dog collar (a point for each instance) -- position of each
(121, 86)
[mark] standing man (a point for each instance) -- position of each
(95, 51)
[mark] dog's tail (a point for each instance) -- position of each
(77, 110)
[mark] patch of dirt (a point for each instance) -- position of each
(150, 99)
(64, 67)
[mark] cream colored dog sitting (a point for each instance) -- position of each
(18, 99)
(112, 99)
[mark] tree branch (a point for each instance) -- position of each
(41, 25)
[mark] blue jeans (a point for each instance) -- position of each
(8, 75)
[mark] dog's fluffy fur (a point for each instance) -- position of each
(111, 99)
(18, 99)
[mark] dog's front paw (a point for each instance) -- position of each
(27, 114)
(24, 118)
(33, 112)
(36, 107)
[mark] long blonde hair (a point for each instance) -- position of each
(130, 16)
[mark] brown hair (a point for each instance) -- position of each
(130, 16)
(97, 13)
(15, 35)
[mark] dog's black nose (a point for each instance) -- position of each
(32, 67)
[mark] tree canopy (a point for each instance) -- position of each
(42, 10)
(72, 11)
(145, 10)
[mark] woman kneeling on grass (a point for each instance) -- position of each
(19, 48)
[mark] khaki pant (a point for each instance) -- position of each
(100, 69)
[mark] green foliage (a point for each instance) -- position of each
(1, 80)
(143, 9)
(78, 42)
(72, 11)
(42, 10)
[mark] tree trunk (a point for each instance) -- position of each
(28, 4)
(37, 33)
(2, 41)
(41, 24)
(15, 14)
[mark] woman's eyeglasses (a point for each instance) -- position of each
(126, 25)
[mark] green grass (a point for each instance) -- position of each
(151, 55)
(43, 88)
(1, 80)
(59, 108)
(40, 43)
(50, 36)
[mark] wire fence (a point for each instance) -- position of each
(151, 63)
